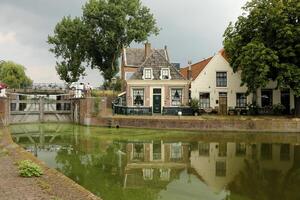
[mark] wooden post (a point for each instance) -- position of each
(41, 109)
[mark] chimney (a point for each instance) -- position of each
(189, 72)
(147, 49)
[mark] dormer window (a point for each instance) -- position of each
(165, 74)
(147, 74)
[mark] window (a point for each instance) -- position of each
(204, 100)
(221, 168)
(266, 151)
(147, 73)
(284, 152)
(222, 149)
(164, 174)
(148, 174)
(176, 151)
(157, 150)
(203, 149)
(266, 98)
(165, 74)
(241, 100)
(221, 79)
(240, 149)
(138, 151)
(138, 97)
(176, 97)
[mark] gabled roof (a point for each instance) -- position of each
(195, 68)
(156, 61)
(136, 56)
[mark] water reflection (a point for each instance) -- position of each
(129, 164)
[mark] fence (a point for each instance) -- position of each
(124, 110)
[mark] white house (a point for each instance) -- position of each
(215, 84)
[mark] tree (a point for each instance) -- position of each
(97, 38)
(68, 42)
(265, 45)
(14, 75)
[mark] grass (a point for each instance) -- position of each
(104, 93)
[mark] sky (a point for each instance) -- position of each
(191, 30)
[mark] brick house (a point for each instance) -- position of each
(132, 58)
(156, 83)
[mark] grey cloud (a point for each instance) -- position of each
(192, 29)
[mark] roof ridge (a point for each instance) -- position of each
(199, 62)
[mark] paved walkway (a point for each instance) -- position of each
(51, 186)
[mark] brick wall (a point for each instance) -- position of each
(268, 125)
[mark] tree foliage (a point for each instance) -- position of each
(97, 38)
(14, 75)
(265, 44)
(69, 48)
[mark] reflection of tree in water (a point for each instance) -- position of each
(256, 183)
(99, 173)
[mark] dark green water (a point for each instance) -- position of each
(127, 164)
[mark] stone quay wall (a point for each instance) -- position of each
(250, 125)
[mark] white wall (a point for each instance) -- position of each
(206, 82)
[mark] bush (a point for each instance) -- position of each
(278, 109)
(253, 109)
(27, 168)
(194, 104)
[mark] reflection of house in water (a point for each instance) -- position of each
(155, 161)
(218, 163)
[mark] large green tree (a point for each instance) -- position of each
(68, 48)
(264, 44)
(105, 28)
(14, 75)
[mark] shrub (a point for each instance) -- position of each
(253, 109)
(278, 109)
(27, 168)
(194, 104)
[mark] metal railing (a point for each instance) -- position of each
(174, 110)
(124, 110)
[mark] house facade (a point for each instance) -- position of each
(156, 84)
(216, 86)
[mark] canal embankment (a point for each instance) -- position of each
(52, 185)
(206, 123)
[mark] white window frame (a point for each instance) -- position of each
(144, 77)
(133, 96)
(161, 74)
(221, 86)
(171, 98)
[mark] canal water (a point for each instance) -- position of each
(129, 164)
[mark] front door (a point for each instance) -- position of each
(285, 100)
(156, 100)
(223, 103)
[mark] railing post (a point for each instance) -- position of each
(41, 109)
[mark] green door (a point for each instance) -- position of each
(156, 100)
(157, 103)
